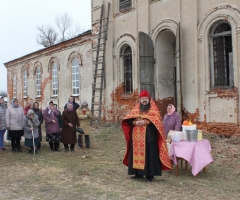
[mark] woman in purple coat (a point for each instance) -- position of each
(50, 116)
(171, 120)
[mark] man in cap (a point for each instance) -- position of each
(84, 115)
(146, 152)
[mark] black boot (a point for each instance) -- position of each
(51, 146)
(137, 176)
(66, 147)
(39, 146)
(149, 178)
(14, 150)
(72, 147)
(19, 148)
(56, 146)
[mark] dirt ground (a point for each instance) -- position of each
(62, 176)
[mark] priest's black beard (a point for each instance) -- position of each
(144, 108)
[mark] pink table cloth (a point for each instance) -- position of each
(196, 153)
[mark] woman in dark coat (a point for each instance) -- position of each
(38, 112)
(70, 122)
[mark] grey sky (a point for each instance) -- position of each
(18, 21)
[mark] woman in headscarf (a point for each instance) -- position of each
(171, 120)
(2, 122)
(38, 112)
(50, 116)
(70, 123)
(14, 121)
(30, 126)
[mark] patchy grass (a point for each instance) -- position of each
(60, 175)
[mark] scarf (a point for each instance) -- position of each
(68, 105)
(172, 110)
(49, 109)
(13, 100)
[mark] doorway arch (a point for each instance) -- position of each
(166, 66)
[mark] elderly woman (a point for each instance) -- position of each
(2, 122)
(30, 125)
(70, 122)
(171, 120)
(50, 116)
(14, 121)
(38, 112)
(85, 115)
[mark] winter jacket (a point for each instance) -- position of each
(171, 122)
(68, 135)
(26, 126)
(14, 118)
(85, 119)
(2, 117)
(50, 126)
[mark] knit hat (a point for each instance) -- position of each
(30, 112)
(144, 93)
(84, 104)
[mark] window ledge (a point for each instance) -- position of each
(222, 88)
(25, 97)
(54, 97)
(75, 95)
(127, 96)
(153, 1)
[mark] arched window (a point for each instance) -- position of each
(55, 79)
(127, 72)
(75, 77)
(38, 79)
(14, 86)
(222, 56)
(25, 83)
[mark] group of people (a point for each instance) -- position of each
(60, 127)
(144, 131)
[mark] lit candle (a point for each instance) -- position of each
(199, 136)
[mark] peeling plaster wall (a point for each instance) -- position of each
(63, 54)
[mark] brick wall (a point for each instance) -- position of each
(163, 103)
(121, 104)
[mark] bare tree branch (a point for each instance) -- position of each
(76, 31)
(47, 36)
(64, 24)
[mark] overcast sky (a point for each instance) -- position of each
(18, 21)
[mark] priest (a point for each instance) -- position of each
(146, 152)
